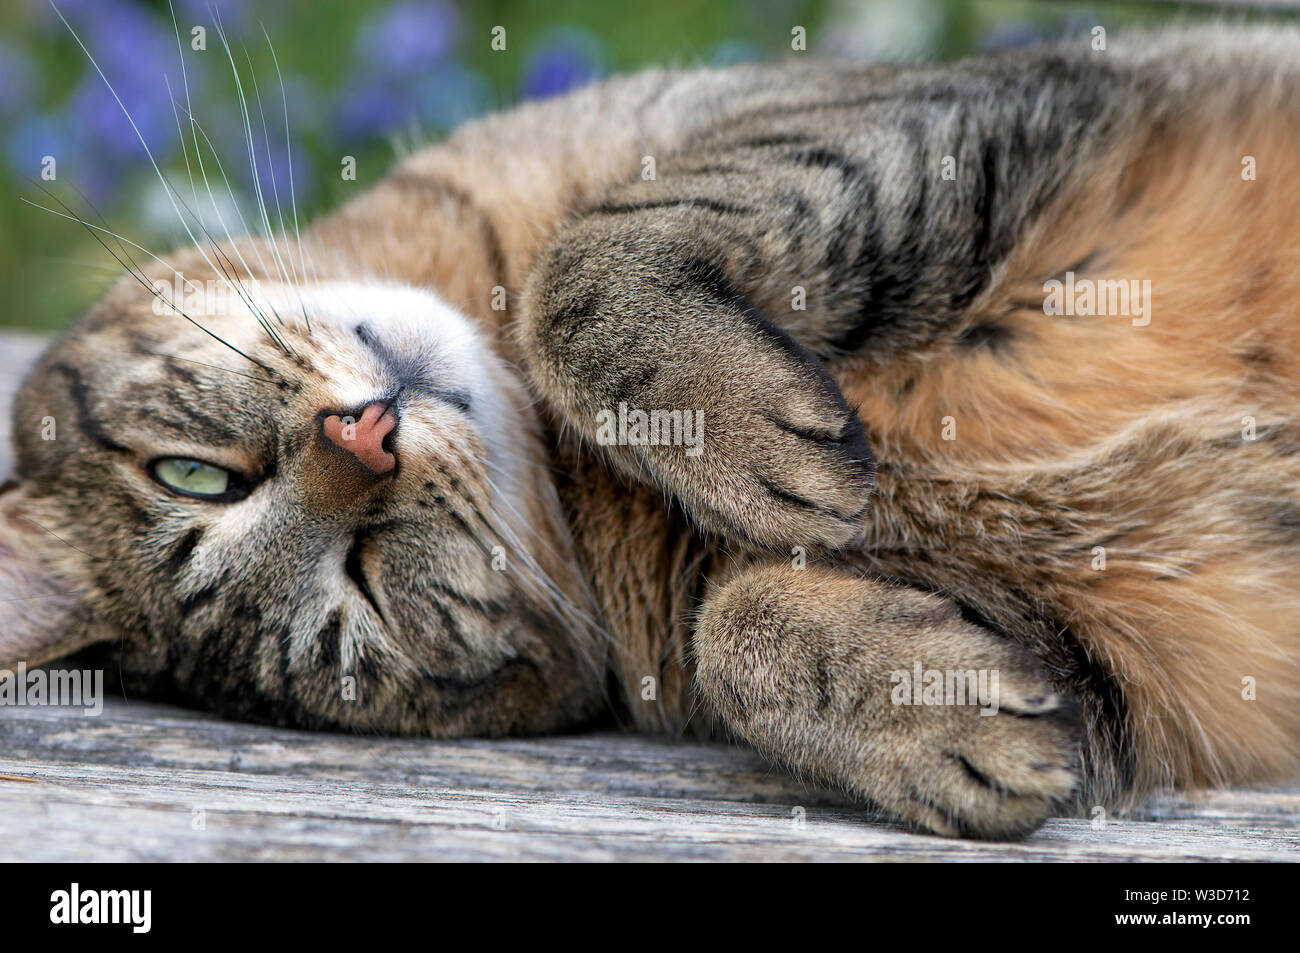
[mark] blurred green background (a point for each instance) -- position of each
(366, 79)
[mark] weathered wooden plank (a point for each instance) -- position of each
(134, 783)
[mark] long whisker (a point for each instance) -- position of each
(133, 268)
(288, 147)
(94, 231)
(215, 367)
(195, 129)
(296, 284)
(121, 242)
(172, 195)
(252, 151)
(537, 577)
(227, 264)
(270, 164)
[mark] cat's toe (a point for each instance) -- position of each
(783, 462)
(999, 776)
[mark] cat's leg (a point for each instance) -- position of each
(776, 243)
(754, 439)
(817, 668)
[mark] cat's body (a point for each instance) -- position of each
(1098, 508)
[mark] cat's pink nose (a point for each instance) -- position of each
(363, 437)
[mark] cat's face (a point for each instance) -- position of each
(342, 520)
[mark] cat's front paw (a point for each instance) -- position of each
(973, 740)
(779, 457)
(644, 346)
(989, 776)
(890, 693)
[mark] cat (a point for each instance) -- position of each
(992, 367)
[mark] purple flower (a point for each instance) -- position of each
(138, 56)
(108, 129)
(568, 58)
(371, 108)
(273, 175)
(36, 137)
(127, 42)
(79, 13)
(409, 37)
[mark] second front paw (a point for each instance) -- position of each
(769, 451)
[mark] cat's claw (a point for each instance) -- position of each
(782, 460)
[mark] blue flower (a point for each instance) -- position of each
(110, 132)
(566, 58)
(138, 56)
(34, 138)
(408, 38)
(273, 175)
(80, 13)
(95, 176)
(371, 108)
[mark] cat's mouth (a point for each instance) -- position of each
(354, 568)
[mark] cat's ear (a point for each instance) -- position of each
(40, 618)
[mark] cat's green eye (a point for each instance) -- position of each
(192, 477)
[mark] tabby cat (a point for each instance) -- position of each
(399, 480)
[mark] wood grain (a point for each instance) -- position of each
(148, 782)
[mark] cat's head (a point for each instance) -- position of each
(312, 502)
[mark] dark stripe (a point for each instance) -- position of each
(633, 382)
(201, 597)
(822, 158)
(714, 169)
(181, 554)
(451, 628)
(813, 436)
(327, 641)
(458, 693)
(186, 420)
(491, 607)
(184, 373)
(791, 498)
(773, 140)
(986, 335)
(86, 421)
(352, 566)
(712, 205)
(713, 281)
(562, 324)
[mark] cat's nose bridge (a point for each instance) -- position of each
(363, 436)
